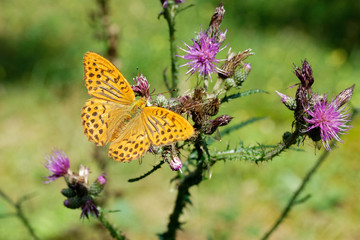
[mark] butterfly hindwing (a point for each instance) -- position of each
(164, 127)
(104, 81)
(131, 143)
(101, 119)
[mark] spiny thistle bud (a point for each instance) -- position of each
(229, 83)
(289, 102)
(222, 120)
(241, 74)
(73, 202)
(173, 159)
(344, 96)
(175, 163)
(97, 186)
(68, 192)
(215, 22)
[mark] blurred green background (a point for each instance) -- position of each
(42, 91)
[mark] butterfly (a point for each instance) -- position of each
(114, 115)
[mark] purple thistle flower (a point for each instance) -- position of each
(101, 179)
(89, 208)
(201, 56)
(175, 163)
(328, 118)
(142, 86)
(58, 164)
(176, 1)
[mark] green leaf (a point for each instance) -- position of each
(242, 94)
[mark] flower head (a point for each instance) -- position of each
(89, 208)
(201, 55)
(327, 120)
(142, 86)
(58, 164)
(175, 163)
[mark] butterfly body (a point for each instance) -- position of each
(114, 115)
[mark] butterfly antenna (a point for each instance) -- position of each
(162, 92)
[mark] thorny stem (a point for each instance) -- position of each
(169, 15)
(183, 196)
(193, 178)
(281, 147)
(293, 201)
(115, 233)
(19, 212)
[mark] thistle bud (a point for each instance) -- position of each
(344, 96)
(222, 120)
(229, 83)
(241, 74)
(289, 102)
(175, 163)
(68, 192)
(73, 202)
(173, 160)
(97, 186)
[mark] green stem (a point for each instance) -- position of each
(169, 14)
(281, 147)
(293, 201)
(19, 213)
(115, 233)
(183, 197)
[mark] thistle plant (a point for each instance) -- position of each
(191, 155)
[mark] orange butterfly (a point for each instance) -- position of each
(114, 115)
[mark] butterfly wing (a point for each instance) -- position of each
(104, 81)
(131, 143)
(164, 127)
(102, 119)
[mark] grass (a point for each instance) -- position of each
(40, 110)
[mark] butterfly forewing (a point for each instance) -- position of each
(104, 81)
(164, 127)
